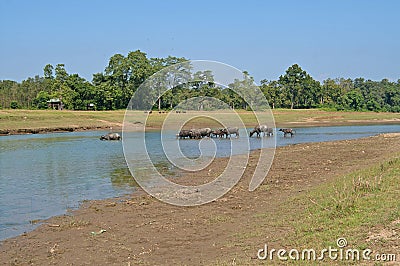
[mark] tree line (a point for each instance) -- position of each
(113, 88)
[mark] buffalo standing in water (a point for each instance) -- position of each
(184, 133)
(205, 132)
(230, 130)
(111, 136)
(262, 129)
(287, 131)
(200, 133)
(217, 133)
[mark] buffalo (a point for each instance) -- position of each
(230, 130)
(287, 131)
(184, 133)
(205, 132)
(200, 133)
(261, 129)
(110, 136)
(217, 133)
(195, 134)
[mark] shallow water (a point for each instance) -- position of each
(45, 175)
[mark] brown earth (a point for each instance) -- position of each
(44, 130)
(143, 230)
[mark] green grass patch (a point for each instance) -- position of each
(349, 207)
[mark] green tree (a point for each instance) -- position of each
(271, 92)
(301, 89)
(48, 71)
(331, 91)
(61, 73)
(354, 100)
(40, 102)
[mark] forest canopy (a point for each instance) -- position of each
(113, 88)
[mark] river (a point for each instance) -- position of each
(47, 174)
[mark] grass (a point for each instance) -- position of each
(317, 115)
(351, 206)
(362, 207)
(355, 206)
(32, 119)
(17, 119)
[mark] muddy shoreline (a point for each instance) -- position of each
(139, 229)
(25, 131)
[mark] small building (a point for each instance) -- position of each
(55, 104)
(90, 106)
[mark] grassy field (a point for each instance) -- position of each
(17, 119)
(50, 119)
(354, 206)
(362, 207)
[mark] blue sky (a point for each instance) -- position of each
(331, 38)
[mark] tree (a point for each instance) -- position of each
(301, 89)
(40, 102)
(271, 92)
(330, 92)
(125, 74)
(48, 71)
(61, 73)
(114, 87)
(175, 74)
(353, 100)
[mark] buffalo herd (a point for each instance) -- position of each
(208, 132)
(259, 130)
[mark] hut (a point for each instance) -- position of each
(90, 106)
(55, 104)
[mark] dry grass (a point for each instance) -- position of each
(33, 119)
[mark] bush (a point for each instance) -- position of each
(14, 105)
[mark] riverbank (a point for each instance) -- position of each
(313, 194)
(43, 121)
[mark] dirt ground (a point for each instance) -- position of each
(142, 230)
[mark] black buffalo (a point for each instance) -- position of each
(217, 133)
(262, 129)
(200, 133)
(111, 136)
(184, 133)
(287, 131)
(230, 130)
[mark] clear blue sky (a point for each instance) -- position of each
(336, 38)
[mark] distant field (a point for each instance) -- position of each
(13, 120)
(51, 119)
